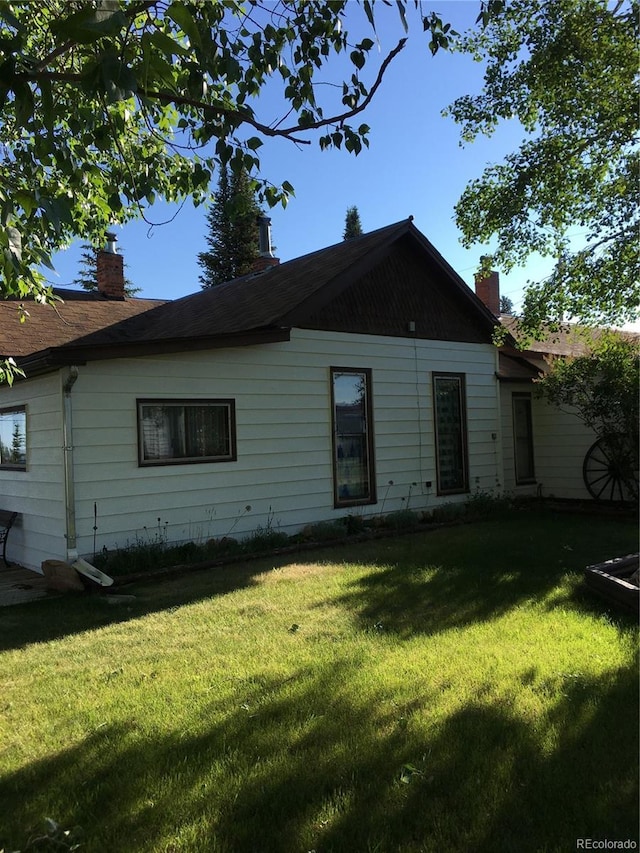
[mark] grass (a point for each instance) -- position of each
(454, 690)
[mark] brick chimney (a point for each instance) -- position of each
(110, 270)
(266, 258)
(488, 290)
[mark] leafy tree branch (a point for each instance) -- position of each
(567, 72)
(108, 105)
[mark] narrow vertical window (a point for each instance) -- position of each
(451, 433)
(13, 438)
(523, 439)
(353, 474)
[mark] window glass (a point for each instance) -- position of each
(175, 431)
(352, 437)
(451, 433)
(13, 438)
(523, 438)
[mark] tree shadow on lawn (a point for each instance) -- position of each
(477, 571)
(49, 619)
(299, 765)
(443, 582)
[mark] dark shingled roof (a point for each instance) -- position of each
(77, 315)
(256, 307)
(255, 301)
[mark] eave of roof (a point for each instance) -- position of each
(55, 357)
(518, 368)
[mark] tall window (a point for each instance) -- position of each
(173, 432)
(353, 470)
(451, 433)
(523, 439)
(13, 438)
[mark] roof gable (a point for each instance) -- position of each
(404, 293)
(376, 284)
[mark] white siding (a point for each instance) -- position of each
(37, 493)
(283, 414)
(561, 441)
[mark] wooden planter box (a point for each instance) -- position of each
(611, 581)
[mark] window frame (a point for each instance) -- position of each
(15, 466)
(339, 502)
(179, 402)
(462, 393)
(523, 396)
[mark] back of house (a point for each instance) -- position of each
(356, 380)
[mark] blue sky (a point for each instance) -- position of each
(414, 166)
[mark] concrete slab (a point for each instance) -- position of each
(19, 586)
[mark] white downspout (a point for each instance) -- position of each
(67, 448)
(498, 441)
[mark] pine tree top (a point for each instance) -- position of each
(232, 230)
(87, 277)
(352, 225)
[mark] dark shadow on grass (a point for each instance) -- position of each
(422, 582)
(264, 773)
(444, 582)
(44, 620)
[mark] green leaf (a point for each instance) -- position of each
(167, 45)
(118, 80)
(48, 113)
(89, 25)
(368, 9)
(180, 15)
(15, 242)
(114, 202)
(24, 103)
(26, 201)
(358, 58)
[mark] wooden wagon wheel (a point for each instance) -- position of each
(610, 471)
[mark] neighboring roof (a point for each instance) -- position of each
(570, 340)
(76, 315)
(256, 307)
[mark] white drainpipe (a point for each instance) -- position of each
(67, 447)
(497, 436)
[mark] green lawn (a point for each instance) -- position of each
(455, 690)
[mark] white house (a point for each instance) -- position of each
(544, 447)
(358, 379)
(361, 378)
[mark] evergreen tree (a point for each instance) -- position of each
(87, 277)
(506, 305)
(232, 230)
(352, 225)
(17, 445)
